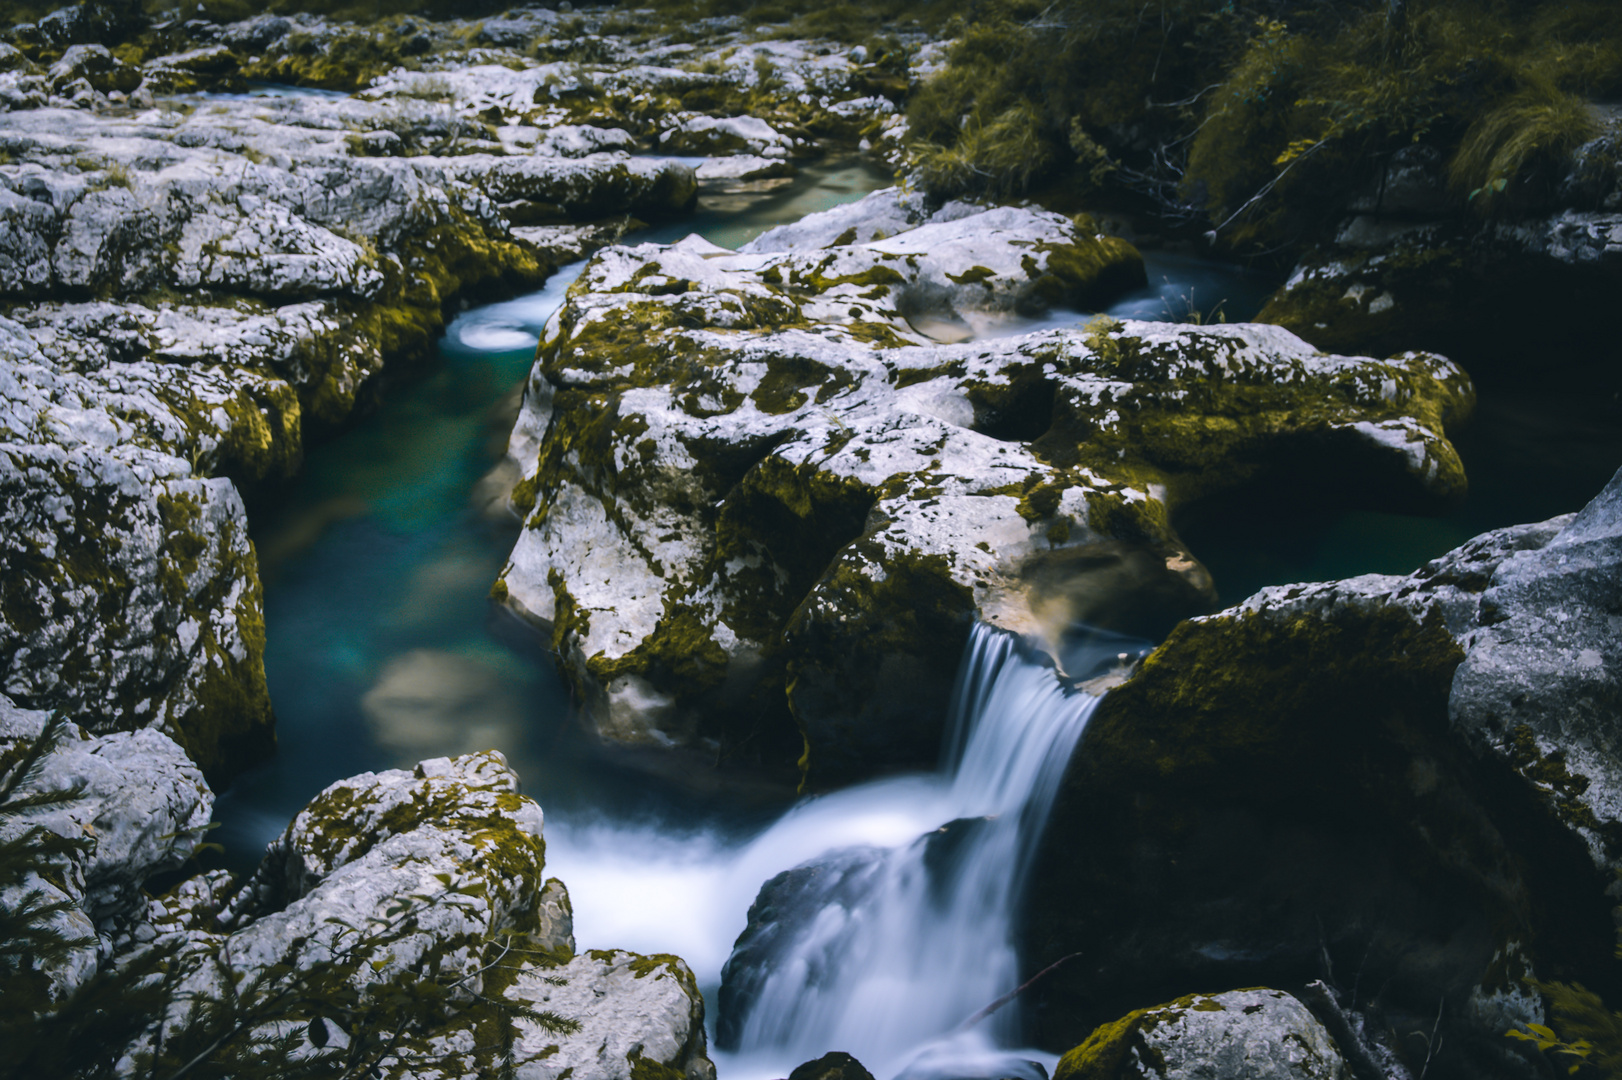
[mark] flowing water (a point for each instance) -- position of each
(383, 649)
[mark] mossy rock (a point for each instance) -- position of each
(1281, 786)
(1255, 1034)
(767, 506)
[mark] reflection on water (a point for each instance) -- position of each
(430, 703)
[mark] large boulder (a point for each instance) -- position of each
(401, 922)
(1404, 783)
(95, 65)
(1255, 1034)
(132, 598)
(751, 481)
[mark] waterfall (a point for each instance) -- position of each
(884, 951)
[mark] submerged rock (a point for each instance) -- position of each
(751, 477)
(1413, 779)
(1240, 1035)
(836, 1065)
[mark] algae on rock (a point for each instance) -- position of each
(1409, 777)
(755, 484)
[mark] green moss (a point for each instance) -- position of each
(1560, 788)
(646, 1068)
(1119, 1050)
(974, 275)
(1251, 695)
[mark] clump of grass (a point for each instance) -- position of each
(1514, 152)
(999, 157)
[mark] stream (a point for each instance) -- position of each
(383, 649)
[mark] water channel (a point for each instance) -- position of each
(384, 649)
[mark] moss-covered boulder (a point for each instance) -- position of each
(1399, 782)
(138, 807)
(755, 483)
(1257, 1034)
(401, 924)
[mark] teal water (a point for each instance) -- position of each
(1529, 455)
(382, 646)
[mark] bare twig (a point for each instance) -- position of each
(1434, 1042)
(1014, 993)
(1267, 188)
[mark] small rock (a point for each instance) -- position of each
(1240, 1035)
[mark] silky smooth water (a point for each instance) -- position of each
(891, 969)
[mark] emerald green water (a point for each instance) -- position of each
(1529, 455)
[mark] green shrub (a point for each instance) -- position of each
(1264, 116)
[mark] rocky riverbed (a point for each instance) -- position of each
(761, 498)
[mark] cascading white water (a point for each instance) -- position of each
(919, 936)
(928, 940)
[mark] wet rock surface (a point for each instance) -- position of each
(1399, 782)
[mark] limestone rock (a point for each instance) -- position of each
(449, 856)
(592, 186)
(749, 472)
(1255, 1034)
(1433, 752)
(740, 169)
(555, 929)
(634, 1011)
(872, 217)
(1541, 683)
(209, 68)
(784, 914)
(724, 135)
(135, 804)
(97, 66)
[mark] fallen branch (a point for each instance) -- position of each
(1322, 1002)
(1012, 994)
